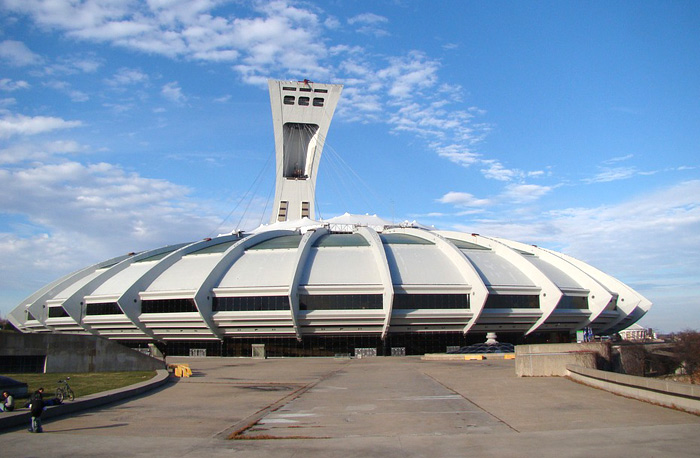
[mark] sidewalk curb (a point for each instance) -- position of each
(13, 419)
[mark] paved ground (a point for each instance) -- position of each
(393, 407)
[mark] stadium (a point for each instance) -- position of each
(353, 284)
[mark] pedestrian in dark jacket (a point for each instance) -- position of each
(37, 408)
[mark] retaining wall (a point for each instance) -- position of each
(552, 364)
(76, 353)
(667, 393)
(547, 360)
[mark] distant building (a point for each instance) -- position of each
(305, 286)
(637, 332)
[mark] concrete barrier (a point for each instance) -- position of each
(548, 360)
(676, 395)
(465, 357)
(603, 349)
(23, 417)
(552, 364)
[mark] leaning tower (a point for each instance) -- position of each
(301, 115)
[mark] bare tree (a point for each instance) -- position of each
(687, 348)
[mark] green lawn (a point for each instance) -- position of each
(82, 383)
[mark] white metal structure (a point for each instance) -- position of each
(298, 278)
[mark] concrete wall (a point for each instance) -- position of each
(76, 353)
(601, 348)
(552, 364)
(547, 360)
(667, 393)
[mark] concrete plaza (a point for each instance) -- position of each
(394, 407)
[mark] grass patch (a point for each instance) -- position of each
(83, 383)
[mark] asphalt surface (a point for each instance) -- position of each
(390, 407)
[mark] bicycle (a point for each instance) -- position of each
(64, 390)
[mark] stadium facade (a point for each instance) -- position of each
(303, 286)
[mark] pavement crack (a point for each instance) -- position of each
(471, 402)
(238, 430)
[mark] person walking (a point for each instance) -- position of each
(37, 408)
(8, 402)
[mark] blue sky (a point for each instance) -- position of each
(127, 125)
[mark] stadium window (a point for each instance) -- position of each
(512, 301)
(573, 303)
(431, 301)
(57, 312)
(103, 308)
(168, 306)
(250, 303)
(340, 302)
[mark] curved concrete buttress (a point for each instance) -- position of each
(550, 294)
(479, 292)
(35, 303)
(305, 245)
(203, 295)
(598, 296)
(379, 254)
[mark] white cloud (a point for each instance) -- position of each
(459, 154)
(17, 124)
(369, 24)
(64, 86)
(463, 199)
(258, 46)
(173, 92)
(68, 215)
(613, 160)
(613, 174)
(18, 54)
(408, 74)
(7, 102)
(98, 199)
(8, 85)
(521, 193)
(71, 65)
(367, 18)
(496, 171)
(31, 152)
(128, 76)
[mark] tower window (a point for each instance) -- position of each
(282, 215)
(304, 101)
(298, 140)
(289, 100)
(318, 102)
